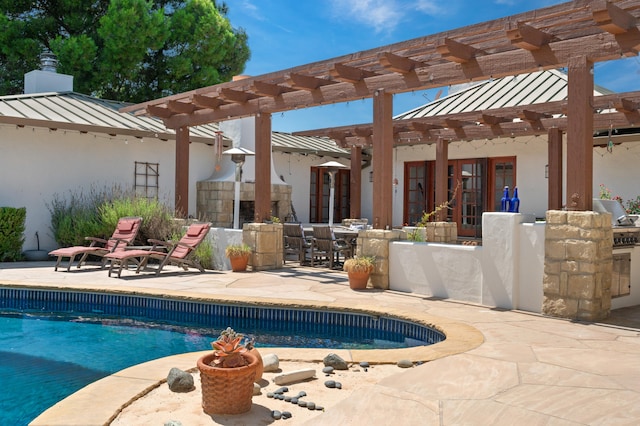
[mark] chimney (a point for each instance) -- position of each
(46, 79)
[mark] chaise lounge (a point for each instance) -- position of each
(124, 235)
(180, 253)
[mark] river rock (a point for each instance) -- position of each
(333, 360)
(327, 370)
(294, 376)
(271, 362)
(256, 389)
(405, 363)
(180, 381)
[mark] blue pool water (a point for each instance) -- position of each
(53, 343)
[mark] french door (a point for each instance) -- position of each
(319, 193)
(477, 184)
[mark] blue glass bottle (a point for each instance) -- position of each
(514, 205)
(505, 201)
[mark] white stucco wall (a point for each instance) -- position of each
(36, 163)
(506, 271)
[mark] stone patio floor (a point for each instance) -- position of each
(496, 367)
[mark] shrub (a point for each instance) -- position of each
(11, 233)
(96, 214)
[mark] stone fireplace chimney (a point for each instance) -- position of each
(46, 79)
(216, 194)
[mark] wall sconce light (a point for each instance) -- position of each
(546, 171)
(371, 176)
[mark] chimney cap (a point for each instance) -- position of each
(48, 61)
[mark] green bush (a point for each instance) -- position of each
(96, 214)
(11, 233)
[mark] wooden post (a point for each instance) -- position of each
(262, 205)
(580, 134)
(382, 138)
(442, 178)
(554, 168)
(182, 172)
(355, 182)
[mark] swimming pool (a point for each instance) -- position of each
(89, 353)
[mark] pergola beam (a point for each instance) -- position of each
(612, 19)
(528, 37)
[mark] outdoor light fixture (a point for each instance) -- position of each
(332, 167)
(238, 156)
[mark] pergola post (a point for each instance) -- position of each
(580, 134)
(554, 169)
(442, 178)
(382, 139)
(262, 205)
(182, 172)
(355, 188)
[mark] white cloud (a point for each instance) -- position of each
(430, 7)
(381, 15)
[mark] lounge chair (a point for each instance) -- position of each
(180, 253)
(124, 234)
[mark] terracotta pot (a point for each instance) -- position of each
(358, 280)
(239, 263)
(227, 390)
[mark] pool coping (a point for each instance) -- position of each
(100, 402)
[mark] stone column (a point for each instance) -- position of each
(375, 243)
(578, 265)
(266, 241)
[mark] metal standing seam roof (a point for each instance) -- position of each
(91, 114)
(522, 90)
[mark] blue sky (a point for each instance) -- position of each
(288, 33)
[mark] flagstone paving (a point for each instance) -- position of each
(496, 367)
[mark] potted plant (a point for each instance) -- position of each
(228, 373)
(359, 268)
(238, 255)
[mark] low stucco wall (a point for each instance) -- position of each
(506, 271)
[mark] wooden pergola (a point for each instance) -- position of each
(574, 35)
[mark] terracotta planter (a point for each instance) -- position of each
(239, 263)
(227, 390)
(358, 280)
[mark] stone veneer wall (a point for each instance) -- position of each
(375, 242)
(578, 265)
(436, 232)
(215, 200)
(266, 240)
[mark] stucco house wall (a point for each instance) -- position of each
(36, 163)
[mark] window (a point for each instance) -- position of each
(146, 179)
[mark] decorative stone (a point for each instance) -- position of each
(180, 381)
(294, 400)
(364, 364)
(286, 414)
(256, 389)
(172, 423)
(276, 414)
(327, 370)
(333, 360)
(281, 390)
(405, 363)
(270, 394)
(311, 405)
(301, 394)
(319, 408)
(330, 384)
(338, 385)
(271, 362)
(294, 376)
(302, 403)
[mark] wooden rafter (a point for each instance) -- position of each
(455, 51)
(350, 74)
(625, 105)
(528, 37)
(207, 101)
(269, 89)
(179, 107)
(397, 63)
(159, 111)
(236, 95)
(307, 82)
(612, 19)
